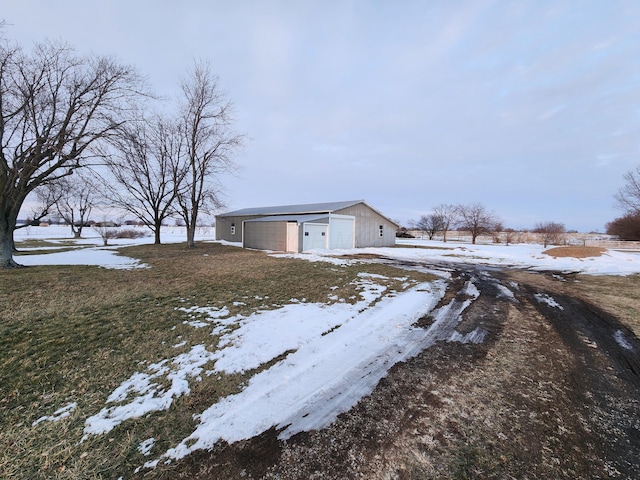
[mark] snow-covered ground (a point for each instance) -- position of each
(90, 249)
(339, 350)
(530, 256)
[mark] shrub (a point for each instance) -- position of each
(130, 233)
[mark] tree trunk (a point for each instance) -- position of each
(156, 233)
(191, 235)
(6, 244)
(191, 224)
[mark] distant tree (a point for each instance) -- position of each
(145, 163)
(496, 230)
(552, 233)
(73, 197)
(626, 227)
(628, 197)
(429, 224)
(107, 230)
(54, 107)
(209, 145)
(47, 199)
(477, 220)
(510, 235)
(447, 215)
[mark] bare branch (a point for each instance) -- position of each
(209, 144)
(55, 109)
(628, 197)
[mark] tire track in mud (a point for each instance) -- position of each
(605, 372)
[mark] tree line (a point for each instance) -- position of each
(476, 219)
(78, 129)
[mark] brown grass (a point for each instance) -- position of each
(74, 333)
(619, 295)
(575, 252)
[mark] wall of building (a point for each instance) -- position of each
(266, 235)
(224, 227)
(368, 224)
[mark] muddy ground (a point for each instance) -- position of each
(553, 391)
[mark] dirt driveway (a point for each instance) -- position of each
(551, 391)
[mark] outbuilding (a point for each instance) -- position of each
(297, 228)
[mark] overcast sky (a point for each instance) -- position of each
(531, 108)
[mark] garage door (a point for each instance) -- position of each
(341, 231)
(315, 236)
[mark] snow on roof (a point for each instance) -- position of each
(326, 207)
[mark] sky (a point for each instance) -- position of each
(531, 108)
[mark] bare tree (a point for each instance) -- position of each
(47, 199)
(145, 164)
(510, 235)
(552, 233)
(628, 197)
(495, 231)
(429, 224)
(73, 197)
(54, 106)
(107, 230)
(477, 220)
(447, 214)
(209, 144)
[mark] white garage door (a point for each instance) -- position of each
(341, 231)
(315, 236)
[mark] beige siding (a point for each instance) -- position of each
(266, 235)
(368, 223)
(223, 227)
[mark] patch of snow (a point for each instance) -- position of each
(471, 290)
(150, 395)
(146, 446)
(544, 298)
(196, 323)
(102, 257)
(310, 256)
(58, 415)
(476, 336)
(622, 341)
(505, 292)
(325, 376)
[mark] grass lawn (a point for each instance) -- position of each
(72, 334)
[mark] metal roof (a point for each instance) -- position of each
(308, 208)
(291, 218)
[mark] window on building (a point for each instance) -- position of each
(381, 231)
